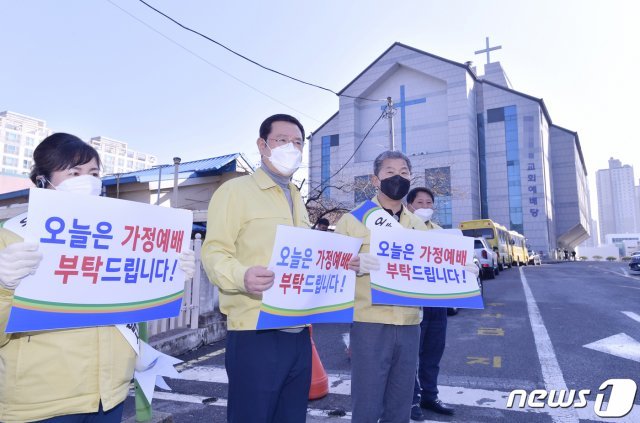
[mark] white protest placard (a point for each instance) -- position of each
(423, 268)
(105, 261)
(312, 282)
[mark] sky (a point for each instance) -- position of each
(117, 69)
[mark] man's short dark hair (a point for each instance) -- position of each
(265, 128)
(377, 163)
(322, 221)
(411, 196)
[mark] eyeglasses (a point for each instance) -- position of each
(282, 141)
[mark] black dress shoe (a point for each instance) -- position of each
(437, 406)
(416, 413)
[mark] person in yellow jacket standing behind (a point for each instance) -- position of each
(269, 370)
(60, 376)
(433, 328)
(384, 338)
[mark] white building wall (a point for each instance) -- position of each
(117, 157)
(570, 189)
(616, 199)
(637, 190)
(19, 136)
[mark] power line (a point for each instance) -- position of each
(251, 60)
(357, 148)
(211, 64)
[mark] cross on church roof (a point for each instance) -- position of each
(487, 50)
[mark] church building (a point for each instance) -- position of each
(486, 149)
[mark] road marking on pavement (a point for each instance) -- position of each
(630, 287)
(551, 372)
(471, 397)
(491, 331)
(631, 315)
(492, 315)
(191, 363)
(340, 384)
(616, 273)
(222, 402)
(497, 362)
(485, 361)
(620, 345)
(346, 338)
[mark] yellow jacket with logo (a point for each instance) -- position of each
(364, 311)
(432, 225)
(52, 373)
(241, 228)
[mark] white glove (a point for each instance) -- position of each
(472, 268)
(17, 261)
(187, 263)
(368, 262)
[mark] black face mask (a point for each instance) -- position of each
(395, 187)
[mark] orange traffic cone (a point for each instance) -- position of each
(319, 380)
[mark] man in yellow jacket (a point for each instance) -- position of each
(269, 371)
(384, 338)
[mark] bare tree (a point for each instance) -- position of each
(319, 204)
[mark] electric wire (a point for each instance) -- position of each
(356, 149)
(384, 112)
(251, 60)
(211, 64)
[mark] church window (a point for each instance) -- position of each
(495, 115)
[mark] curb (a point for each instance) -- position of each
(156, 417)
(212, 328)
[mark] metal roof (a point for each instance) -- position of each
(197, 168)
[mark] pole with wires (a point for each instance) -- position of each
(388, 113)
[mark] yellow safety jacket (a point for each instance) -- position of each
(59, 372)
(364, 310)
(241, 227)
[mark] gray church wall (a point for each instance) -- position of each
(570, 199)
(445, 108)
(517, 197)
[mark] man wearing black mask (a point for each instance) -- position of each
(384, 338)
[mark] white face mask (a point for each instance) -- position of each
(424, 214)
(286, 159)
(83, 184)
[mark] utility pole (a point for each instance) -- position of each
(389, 112)
(176, 164)
(159, 182)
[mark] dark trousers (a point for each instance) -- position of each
(383, 365)
(433, 334)
(269, 376)
(112, 416)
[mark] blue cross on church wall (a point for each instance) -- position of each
(402, 104)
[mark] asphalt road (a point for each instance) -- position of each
(569, 325)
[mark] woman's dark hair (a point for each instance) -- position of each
(265, 128)
(60, 151)
(414, 193)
